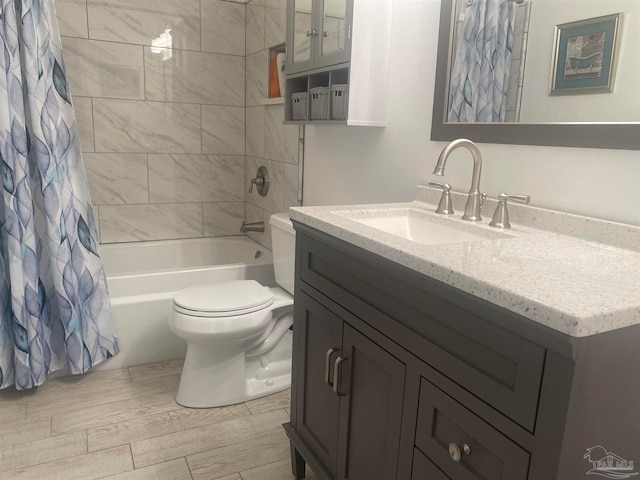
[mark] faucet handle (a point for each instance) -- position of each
(501, 215)
(444, 207)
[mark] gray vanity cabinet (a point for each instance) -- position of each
(348, 393)
(399, 376)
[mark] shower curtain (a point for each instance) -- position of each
(54, 305)
(480, 76)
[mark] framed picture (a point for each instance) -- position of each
(584, 56)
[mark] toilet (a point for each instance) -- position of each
(238, 332)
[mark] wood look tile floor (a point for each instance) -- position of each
(124, 424)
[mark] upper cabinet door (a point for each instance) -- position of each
(301, 33)
(318, 33)
(334, 33)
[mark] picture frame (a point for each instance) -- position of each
(584, 56)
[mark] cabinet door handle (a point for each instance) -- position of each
(455, 452)
(327, 366)
(337, 375)
(311, 33)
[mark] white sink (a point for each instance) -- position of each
(418, 226)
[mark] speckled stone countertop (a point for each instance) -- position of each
(577, 275)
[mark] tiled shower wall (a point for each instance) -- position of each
(268, 141)
(159, 91)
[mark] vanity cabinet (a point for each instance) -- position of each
(399, 376)
(337, 62)
(341, 371)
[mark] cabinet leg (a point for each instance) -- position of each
(297, 464)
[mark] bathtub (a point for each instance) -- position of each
(143, 277)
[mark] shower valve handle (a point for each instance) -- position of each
(261, 180)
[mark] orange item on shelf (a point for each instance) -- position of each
(274, 83)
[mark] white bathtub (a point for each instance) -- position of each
(143, 277)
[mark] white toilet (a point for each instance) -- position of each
(237, 332)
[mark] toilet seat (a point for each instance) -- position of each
(226, 299)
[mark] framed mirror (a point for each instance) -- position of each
(594, 129)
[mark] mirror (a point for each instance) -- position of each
(575, 119)
(302, 26)
(333, 22)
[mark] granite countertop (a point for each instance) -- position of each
(577, 275)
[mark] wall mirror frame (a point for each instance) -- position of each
(625, 136)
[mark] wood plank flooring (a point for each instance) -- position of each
(124, 424)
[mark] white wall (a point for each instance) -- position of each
(348, 165)
(621, 105)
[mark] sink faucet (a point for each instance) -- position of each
(475, 198)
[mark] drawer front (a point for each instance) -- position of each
(424, 469)
(450, 330)
(461, 444)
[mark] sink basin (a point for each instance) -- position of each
(418, 226)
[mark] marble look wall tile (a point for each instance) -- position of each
(280, 141)
(72, 18)
(84, 118)
(104, 69)
(223, 130)
(290, 194)
(194, 77)
(257, 77)
(254, 28)
(279, 4)
(223, 218)
(275, 26)
(223, 27)
(196, 178)
(257, 214)
(142, 21)
(130, 223)
(274, 198)
(117, 178)
(255, 131)
(139, 127)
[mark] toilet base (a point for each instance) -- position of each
(222, 374)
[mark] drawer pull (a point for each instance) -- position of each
(337, 375)
(456, 453)
(327, 366)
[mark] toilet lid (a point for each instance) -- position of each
(225, 297)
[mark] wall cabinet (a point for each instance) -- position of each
(319, 33)
(398, 376)
(337, 50)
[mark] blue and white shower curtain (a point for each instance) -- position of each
(480, 75)
(54, 306)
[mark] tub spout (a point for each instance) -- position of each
(252, 227)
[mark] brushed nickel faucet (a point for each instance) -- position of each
(252, 227)
(475, 198)
(501, 215)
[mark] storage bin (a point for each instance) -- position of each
(299, 103)
(319, 103)
(339, 101)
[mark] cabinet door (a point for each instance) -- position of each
(301, 34)
(319, 337)
(333, 41)
(371, 390)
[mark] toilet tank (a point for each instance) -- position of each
(283, 244)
